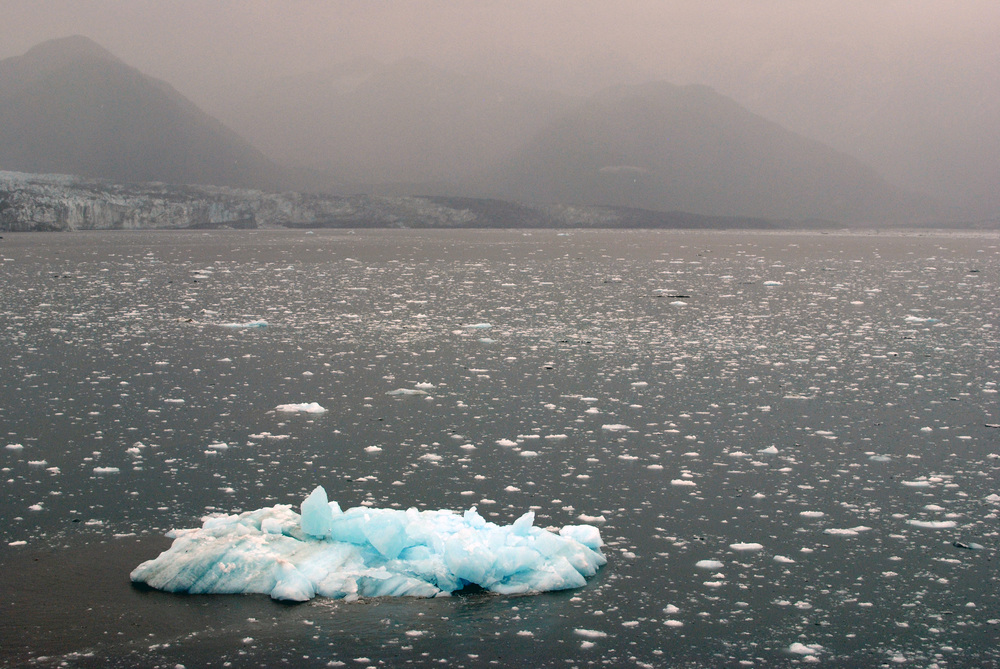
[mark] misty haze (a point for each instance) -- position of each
(507, 333)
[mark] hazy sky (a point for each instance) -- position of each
(205, 45)
(899, 84)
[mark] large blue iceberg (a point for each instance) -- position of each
(368, 552)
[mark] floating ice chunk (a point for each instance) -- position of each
(770, 450)
(370, 552)
(709, 564)
(407, 391)
(932, 524)
(106, 470)
(803, 649)
(590, 634)
(772, 283)
(310, 407)
(917, 484)
(506, 442)
(478, 326)
(682, 482)
(14, 447)
(615, 427)
(811, 514)
(424, 386)
(248, 324)
(846, 531)
(747, 547)
(783, 560)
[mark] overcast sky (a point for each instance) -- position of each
(205, 45)
(910, 86)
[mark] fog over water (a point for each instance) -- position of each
(911, 88)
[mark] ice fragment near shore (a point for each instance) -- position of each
(370, 552)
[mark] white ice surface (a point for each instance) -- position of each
(305, 407)
(370, 552)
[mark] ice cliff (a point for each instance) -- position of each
(52, 202)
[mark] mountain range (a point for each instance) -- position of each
(69, 106)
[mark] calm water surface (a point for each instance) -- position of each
(817, 414)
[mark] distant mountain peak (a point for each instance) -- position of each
(66, 50)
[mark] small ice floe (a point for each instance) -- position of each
(307, 407)
(14, 447)
(772, 283)
(590, 634)
(218, 446)
(804, 649)
(747, 547)
(106, 470)
(846, 531)
(967, 545)
(811, 514)
(248, 324)
(783, 560)
(770, 450)
(478, 326)
(932, 524)
(922, 483)
(424, 386)
(714, 565)
(506, 442)
(407, 391)
(615, 427)
(681, 482)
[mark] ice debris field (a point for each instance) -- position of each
(367, 552)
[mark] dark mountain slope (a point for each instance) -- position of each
(665, 147)
(69, 106)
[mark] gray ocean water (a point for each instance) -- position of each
(815, 414)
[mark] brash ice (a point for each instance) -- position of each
(369, 552)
